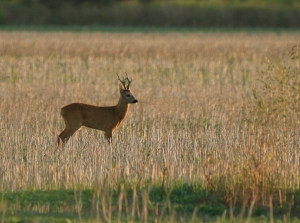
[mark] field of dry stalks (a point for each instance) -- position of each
(215, 109)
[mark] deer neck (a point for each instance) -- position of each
(122, 108)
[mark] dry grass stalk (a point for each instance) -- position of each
(192, 119)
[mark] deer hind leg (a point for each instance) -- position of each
(65, 135)
(62, 137)
(108, 136)
(69, 130)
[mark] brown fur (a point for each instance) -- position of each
(106, 119)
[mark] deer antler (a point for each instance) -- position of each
(129, 81)
(122, 82)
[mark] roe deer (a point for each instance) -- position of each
(106, 119)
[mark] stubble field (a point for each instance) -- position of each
(216, 110)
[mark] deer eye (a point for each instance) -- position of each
(127, 95)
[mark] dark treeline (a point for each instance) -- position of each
(144, 13)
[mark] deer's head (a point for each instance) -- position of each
(125, 92)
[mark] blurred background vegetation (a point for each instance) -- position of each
(171, 13)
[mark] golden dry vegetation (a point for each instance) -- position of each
(216, 109)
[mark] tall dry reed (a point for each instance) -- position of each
(197, 120)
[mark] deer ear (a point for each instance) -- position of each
(121, 87)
